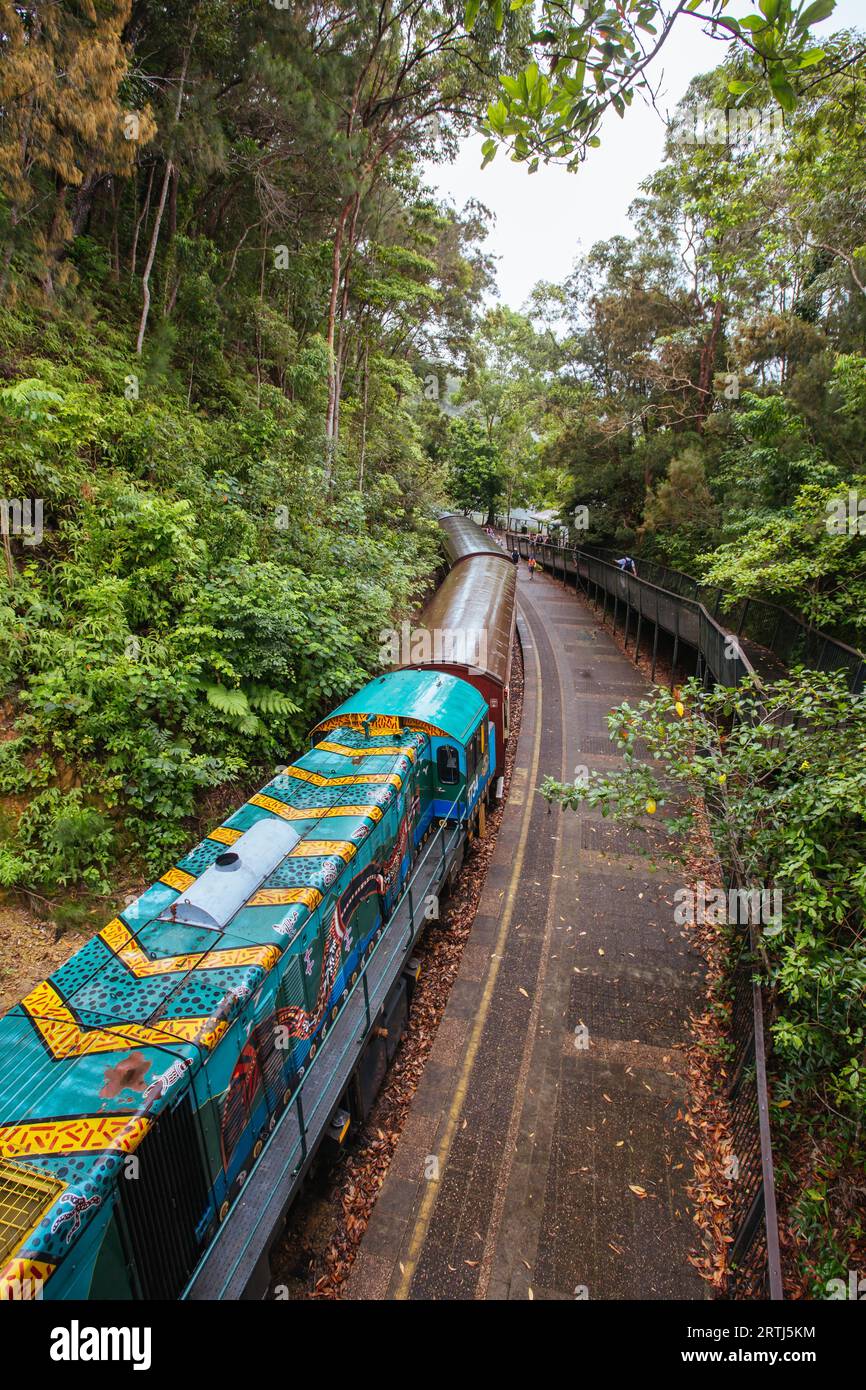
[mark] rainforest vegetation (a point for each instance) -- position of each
(246, 352)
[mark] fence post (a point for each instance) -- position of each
(771, 1225)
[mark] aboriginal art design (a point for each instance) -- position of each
(262, 1062)
(154, 1019)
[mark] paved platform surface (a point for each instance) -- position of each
(513, 1177)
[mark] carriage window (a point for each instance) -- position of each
(448, 764)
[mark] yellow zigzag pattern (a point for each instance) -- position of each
(349, 752)
(64, 1037)
(359, 779)
(82, 1134)
(118, 936)
(310, 849)
(279, 808)
(269, 897)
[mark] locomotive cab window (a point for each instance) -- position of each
(448, 764)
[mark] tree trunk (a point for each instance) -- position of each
(169, 170)
(363, 420)
(7, 552)
(140, 221)
(83, 205)
(145, 279)
(344, 307)
(708, 363)
(53, 240)
(336, 274)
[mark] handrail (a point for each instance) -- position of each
(786, 634)
(757, 1267)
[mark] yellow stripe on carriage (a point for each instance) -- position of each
(278, 897)
(224, 835)
(308, 849)
(279, 808)
(81, 1134)
(22, 1279)
(64, 1036)
(177, 878)
(120, 939)
(357, 779)
(349, 752)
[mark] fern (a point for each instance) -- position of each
(233, 703)
(271, 701)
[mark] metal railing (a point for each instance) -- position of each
(792, 640)
(755, 1262)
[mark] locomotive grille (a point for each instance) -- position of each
(25, 1195)
(274, 1060)
(164, 1204)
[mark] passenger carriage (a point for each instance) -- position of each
(467, 627)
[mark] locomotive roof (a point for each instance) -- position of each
(89, 1056)
(433, 701)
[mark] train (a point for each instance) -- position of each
(470, 620)
(146, 1085)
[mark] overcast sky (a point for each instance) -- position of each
(544, 220)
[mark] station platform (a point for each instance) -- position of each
(553, 1085)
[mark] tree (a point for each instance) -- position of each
(582, 65)
(475, 473)
(682, 500)
(65, 123)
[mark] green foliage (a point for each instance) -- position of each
(782, 773)
(196, 603)
(590, 58)
(60, 840)
(476, 477)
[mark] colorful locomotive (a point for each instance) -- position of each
(140, 1083)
